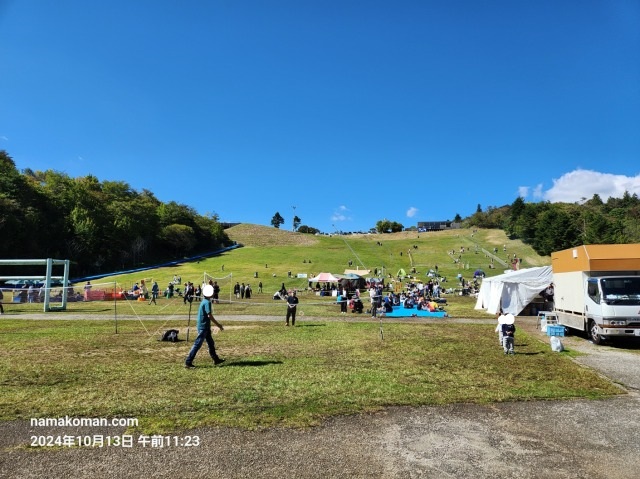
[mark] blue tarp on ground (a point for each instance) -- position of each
(401, 312)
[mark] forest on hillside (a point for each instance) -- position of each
(104, 226)
(99, 226)
(549, 227)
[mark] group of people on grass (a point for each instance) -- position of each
(416, 295)
(242, 291)
(350, 300)
(430, 289)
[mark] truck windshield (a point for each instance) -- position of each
(621, 290)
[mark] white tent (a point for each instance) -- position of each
(514, 290)
(324, 278)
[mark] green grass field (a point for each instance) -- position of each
(329, 364)
(273, 375)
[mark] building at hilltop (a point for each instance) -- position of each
(226, 225)
(424, 226)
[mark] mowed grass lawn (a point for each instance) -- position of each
(273, 375)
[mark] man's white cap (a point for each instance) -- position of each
(207, 292)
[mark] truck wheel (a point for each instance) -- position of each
(593, 333)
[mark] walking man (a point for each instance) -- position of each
(154, 292)
(292, 304)
(205, 317)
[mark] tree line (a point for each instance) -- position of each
(277, 220)
(549, 227)
(106, 226)
(101, 226)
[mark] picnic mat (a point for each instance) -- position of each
(401, 312)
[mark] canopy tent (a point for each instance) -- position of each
(324, 278)
(348, 276)
(359, 272)
(401, 273)
(514, 290)
(351, 281)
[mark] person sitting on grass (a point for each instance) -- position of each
(422, 304)
(409, 303)
(388, 307)
(358, 306)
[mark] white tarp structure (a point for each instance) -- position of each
(514, 290)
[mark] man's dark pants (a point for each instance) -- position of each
(291, 313)
(204, 335)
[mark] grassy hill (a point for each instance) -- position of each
(268, 255)
(264, 236)
(92, 367)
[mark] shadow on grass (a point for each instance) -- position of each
(628, 343)
(229, 364)
(311, 325)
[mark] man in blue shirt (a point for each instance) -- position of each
(205, 317)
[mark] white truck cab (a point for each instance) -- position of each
(597, 290)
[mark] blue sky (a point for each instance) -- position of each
(349, 111)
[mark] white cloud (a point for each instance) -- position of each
(581, 184)
(341, 214)
(4, 138)
(578, 184)
(411, 212)
(538, 192)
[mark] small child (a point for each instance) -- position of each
(508, 334)
(499, 327)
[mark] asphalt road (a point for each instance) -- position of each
(537, 439)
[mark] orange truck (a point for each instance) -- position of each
(597, 290)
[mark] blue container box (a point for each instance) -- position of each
(555, 330)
